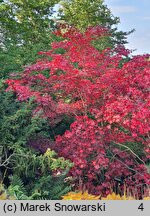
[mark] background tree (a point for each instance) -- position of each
(85, 13)
(26, 21)
(25, 29)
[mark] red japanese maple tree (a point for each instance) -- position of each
(110, 100)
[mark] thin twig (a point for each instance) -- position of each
(131, 152)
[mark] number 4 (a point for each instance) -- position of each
(141, 207)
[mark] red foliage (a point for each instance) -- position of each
(87, 83)
(100, 157)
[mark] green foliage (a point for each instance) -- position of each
(44, 177)
(15, 57)
(26, 29)
(51, 188)
(85, 13)
(46, 187)
(17, 189)
(25, 21)
(29, 164)
(16, 122)
(17, 125)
